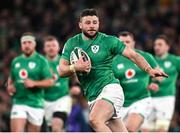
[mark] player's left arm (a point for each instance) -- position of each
(142, 63)
(38, 83)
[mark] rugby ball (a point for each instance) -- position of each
(76, 54)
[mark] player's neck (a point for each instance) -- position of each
(52, 58)
(84, 37)
(28, 55)
(163, 56)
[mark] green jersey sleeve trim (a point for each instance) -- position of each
(109, 101)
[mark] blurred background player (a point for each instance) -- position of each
(57, 99)
(101, 88)
(163, 100)
(134, 82)
(78, 119)
(30, 74)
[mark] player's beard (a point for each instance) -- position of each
(89, 35)
(28, 52)
(51, 54)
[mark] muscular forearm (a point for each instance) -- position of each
(66, 70)
(141, 62)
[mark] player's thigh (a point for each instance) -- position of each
(18, 118)
(111, 95)
(134, 122)
(58, 109)
(33, 128)
(63, 104)
(18, 124)
(35, 116)
(139, 112)
(49, 109)
(164, 107)
(102, 110)
(140, 108)
(164, 112)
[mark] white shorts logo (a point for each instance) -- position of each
(95, 48)
(23, 74)
(130, 73)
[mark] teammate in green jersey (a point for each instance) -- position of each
(100, 87)
(30, 74)
(57, 99)
(164, 99)
(134, 82)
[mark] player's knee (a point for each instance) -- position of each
(94, 120)
(132, 128)
(58, 122)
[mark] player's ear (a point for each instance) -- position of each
(80, 24)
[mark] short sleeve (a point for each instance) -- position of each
(66, 51)
(117, 46)
(45, 73)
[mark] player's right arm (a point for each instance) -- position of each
(67, 70)
(10, 87)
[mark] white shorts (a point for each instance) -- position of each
(161, 113)
(114, 94)
(140, 107)
(62, 104)
(33, 115)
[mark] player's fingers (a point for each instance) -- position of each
(165, 75)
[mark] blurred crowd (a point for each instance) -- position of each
(145, 18)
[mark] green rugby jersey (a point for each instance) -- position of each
(170, 64)
(34, 67)
(61, 86)
(133, 80)
(101, 51)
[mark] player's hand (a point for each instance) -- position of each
(153, 86)
(11, 89)
(82, 66)
(156, 73)
(28, 83)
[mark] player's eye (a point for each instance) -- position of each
(87, 22)
(94, 22)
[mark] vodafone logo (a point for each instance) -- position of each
(130, 73)
(23, 74)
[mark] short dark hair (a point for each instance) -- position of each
(126, 33)
(88, 12)
(50, 38)
(163, 37)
